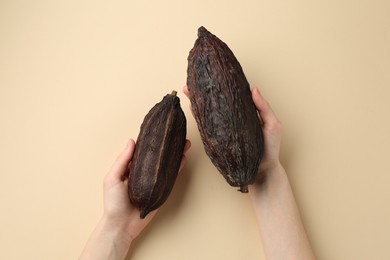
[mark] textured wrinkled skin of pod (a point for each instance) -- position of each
(158, 152)
(224, 110)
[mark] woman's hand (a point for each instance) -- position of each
(273, 201)
(121, 222)
(280, 224)
(117, 208)
(272, 133)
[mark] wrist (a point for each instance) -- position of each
(271, 178)
(108, 241)
(269, 171)
(268, 165)
(116, 230)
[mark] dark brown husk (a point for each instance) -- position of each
(224, 111)
(159, 149)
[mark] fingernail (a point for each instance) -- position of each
(128, 143)
(258, 92)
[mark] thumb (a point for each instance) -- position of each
(119, 168)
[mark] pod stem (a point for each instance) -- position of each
(203, 32)
(174, 92)
(243, 188)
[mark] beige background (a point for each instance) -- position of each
(77, 78)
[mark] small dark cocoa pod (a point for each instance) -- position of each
(224, 111)
(157, 156)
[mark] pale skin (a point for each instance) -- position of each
(277, 214)
(120, 223)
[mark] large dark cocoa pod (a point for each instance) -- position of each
(224, 111)
(159, 149)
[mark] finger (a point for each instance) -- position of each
(187, 146)
(183, 158)
(119, 168)
(185, 91)
(182, 162)
(265, 111)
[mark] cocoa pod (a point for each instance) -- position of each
(157, 156)
(222, 105)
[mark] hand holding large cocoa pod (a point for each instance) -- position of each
(222, 105)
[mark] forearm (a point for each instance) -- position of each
(107, 242)
(278, 217)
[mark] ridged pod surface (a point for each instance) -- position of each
(224, 111)
(158, 152)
